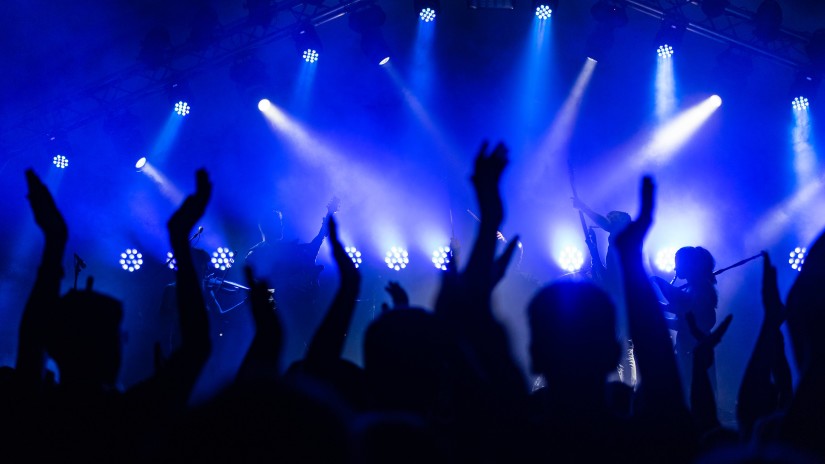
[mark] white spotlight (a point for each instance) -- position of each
(354, 255)
(666, 259)
(571, 259)
(797, 258)
(441, 257)
(131, 260)
(264, 104)
(223, 258)
(397, 258)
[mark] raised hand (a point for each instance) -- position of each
(192, 209)
(486, 177)
(46, 214)
(503, 261)
(263, 357)
(399, 296)
(346, 268)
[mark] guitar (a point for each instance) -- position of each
(305, 273)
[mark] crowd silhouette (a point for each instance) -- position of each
(435, 385)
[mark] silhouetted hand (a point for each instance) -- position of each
(632, 237)
(399, 296)
(771, 301)
(703, 352)
(486, 177)
(349, 273)
(46, 214)
(192, 209)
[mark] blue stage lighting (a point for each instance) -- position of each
(797, 258)
(140, 163)
(715, 100)
(571, 259)
(171, 262)
(131, 260)
(264, 104)
(182, 108)
(60, 161)
(354, 255)
(800, 103)
(397, 258)
(543, 11)
(664, 51)
(310, 55)
(427, 14)
(384, 61)
(666, 259)
(441, 257)
(223, 258)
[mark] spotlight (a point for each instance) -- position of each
(441, 257)
(797, 258)
(182, 108)
(264, 104)
(544, 8)
(60, 161)
(715, 100)
(665, 51)
(800, 103)
(171, 262)
(427, 9)
(571, 259)
(354, 255)
(666, 259)
(141, 163)
(397, 258)
(367, 22)
(308, 43)
(131, 260)
(669, 36)
(223, 258)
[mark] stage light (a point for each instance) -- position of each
(141, 163)
(397, 258)
(797, 258)
(308, 43)
(441, 257)
(171, 262)
(367, 22)
(543, 12)
(670, 36)
(182, 108)
(427, 9)
(60, 161)
(665, 51)
(427, 15)
(354, 255)
(715, 101)
(264, 104)
(571, 259)
(800, 103)
(666, 259)
(223, 258)
(131, 260)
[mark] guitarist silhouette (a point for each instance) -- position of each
(289, 266)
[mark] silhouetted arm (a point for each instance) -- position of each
(46, 290)
(262, 360)
(328, 341)
(757, 394)
(661, 388)
(177, 377)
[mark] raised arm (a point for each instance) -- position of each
(758, 395)
(328, 341)
(262, 360)
(46, 291)
(185, 364)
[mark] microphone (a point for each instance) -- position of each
(197, 234)
(79, 262)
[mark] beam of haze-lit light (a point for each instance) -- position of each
(166, 137)
(167, 188)
(672, 135)
(804, 161)
(421, 71)
(532, 90)
(795, 209)
(303, 87)
(665, 89)
(557, 137)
